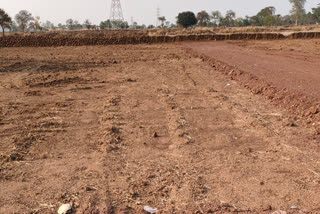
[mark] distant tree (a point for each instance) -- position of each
(230, 15)
(70, 24)
(162, 19)
(246, 21)
(255, 21)
(203, 18)
(31, 27)
(125, 25)
(87, 24)
(5, 21)
(117, 24)
(216, 16)
(23, 18)
(105, 25)
(77, 25)
(137, 26)
(267, 11)
(297, 9)
(269, 20)
(14, 27)
(316, 13)
(286, 20)
(278, 19)
(150, 26)
(264, 13)
(309, 18)
(49, 25)
(143, 26)
(134, 25)
(108, 24)
(239, 22)
(37, 23)
(186, 19)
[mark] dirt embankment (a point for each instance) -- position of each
(52, 40)
(305, 35)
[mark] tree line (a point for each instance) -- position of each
(24, 21)
(265, 17)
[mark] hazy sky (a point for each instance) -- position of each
(142, 11)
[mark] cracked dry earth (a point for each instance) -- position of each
(78, 124)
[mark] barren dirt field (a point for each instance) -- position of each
(111, 129)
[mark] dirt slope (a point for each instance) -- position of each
(77, 125)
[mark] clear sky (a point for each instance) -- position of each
(142, 11)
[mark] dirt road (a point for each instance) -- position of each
(116, 128)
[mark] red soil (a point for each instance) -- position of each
(288, 77)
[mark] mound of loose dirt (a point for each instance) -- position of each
(134, 37)
(52, 40)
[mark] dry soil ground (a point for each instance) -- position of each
(116, 128)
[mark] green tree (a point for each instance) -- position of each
(316, 13)
(124, 25)
(31, 27)
(246, 21)
(37, 23)
(216, 16)
(49, 25)
(77, 25)
(239, 22)
(297, 9)
(264, 13)
(162, 19)
(14, 27)
(70, 24)
(186, 19)
(203, 18)
(105, 25)
(87, 24)
(286, 20)
(5, 21)
(230, 15)
(270, 20)
(23, 18)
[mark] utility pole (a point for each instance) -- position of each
(116, 15)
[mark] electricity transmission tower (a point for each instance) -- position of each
(116, 16)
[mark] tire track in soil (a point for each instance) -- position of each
(180, 172)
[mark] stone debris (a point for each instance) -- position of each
(65, 209)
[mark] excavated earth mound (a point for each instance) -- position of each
(52, 40)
